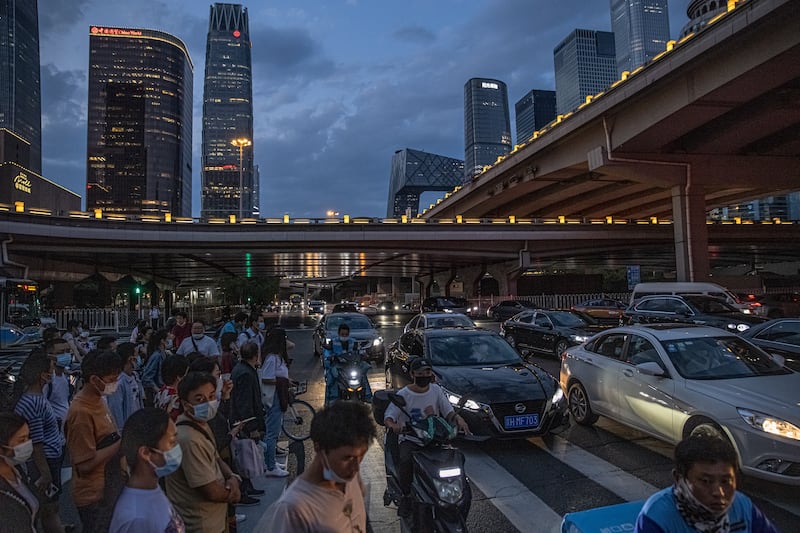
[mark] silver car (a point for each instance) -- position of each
(439, 320)
(668, 379)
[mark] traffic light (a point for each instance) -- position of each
(137, 290)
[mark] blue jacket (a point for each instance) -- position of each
(660, 515)
(336, 349)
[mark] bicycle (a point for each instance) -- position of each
(297, 418)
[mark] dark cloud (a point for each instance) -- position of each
(289, 52)
(60, 14)
(415, 35)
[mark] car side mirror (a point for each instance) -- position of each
(651, 369)
(396, 399)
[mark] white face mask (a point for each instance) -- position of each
(22, 452)
(198, 336)
(109, 388)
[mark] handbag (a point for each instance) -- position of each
(248, 457)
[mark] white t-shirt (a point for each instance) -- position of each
(273, 366)
(249, 335)
(205, 346)
(419, 405)
(145, 511)
(309, 508)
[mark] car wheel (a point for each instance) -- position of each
(703, 426)
(560, 348)
(579, 405)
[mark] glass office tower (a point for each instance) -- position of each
(139, 146)
(585, 64)
(487, 127)
(641, 31)
(20, 82)
(534, 111)
(229, 186)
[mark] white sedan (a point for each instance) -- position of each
(668, 379)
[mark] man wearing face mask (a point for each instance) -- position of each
(204, 485)
(254, 332)
(20, 505)
(92, 436)
(704, 496)
(329, 494)
(151, 450)
(423, 399)
(341, 345)
(198, 341)
(59, 391)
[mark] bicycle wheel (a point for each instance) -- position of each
(297, 420)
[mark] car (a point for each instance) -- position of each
(667, 380)
(549, 332)
(780, 336)
(778, 305)
(507, 308)
(439, 320)
(442, 303)
(690, 309)
(316, 307)
(345, 307)
(362, 330)
(388, 308)
(504, 397)
(602, 309)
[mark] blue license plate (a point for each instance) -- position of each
(521, 421)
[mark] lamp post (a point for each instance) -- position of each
(241, 143)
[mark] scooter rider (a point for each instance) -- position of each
(423, 399)
(340, 345)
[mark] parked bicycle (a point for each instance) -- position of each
(297, 418)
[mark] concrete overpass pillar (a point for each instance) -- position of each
(691, 233)
(506, 275)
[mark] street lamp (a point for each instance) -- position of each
(241, 143)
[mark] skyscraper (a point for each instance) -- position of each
(585, 63)
(534, 111)
(415, 172)
(641, 31)
(20, 85)
(139, 149)
(487, 127)
(228, 174)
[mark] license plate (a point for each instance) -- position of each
(521, 421)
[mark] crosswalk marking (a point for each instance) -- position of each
(613, 478)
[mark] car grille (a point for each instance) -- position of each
(502, 410)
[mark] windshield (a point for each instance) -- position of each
(469, 350)
(355, 322)
(450, 321)
(711, 306)
(720, 358)
(565, 319)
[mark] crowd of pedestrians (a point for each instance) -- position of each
(149, 427)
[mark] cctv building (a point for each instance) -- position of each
(641, 31)
(229, 176)
(415, 172)
(585, 64)
(487, 127)
(20, 91)
(139, 146)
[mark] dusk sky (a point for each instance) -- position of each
(339, 85)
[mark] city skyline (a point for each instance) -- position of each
(338, 87)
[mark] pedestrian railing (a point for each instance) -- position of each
(108, 318)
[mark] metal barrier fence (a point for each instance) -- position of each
(564, 301)
(109, 318)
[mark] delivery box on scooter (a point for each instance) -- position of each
(380, 402)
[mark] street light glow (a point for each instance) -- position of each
(241, 142)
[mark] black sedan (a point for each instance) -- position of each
(549, 332)
(780, 336)
(508, 308)
(506, 397)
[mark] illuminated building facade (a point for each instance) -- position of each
(585, 64)
(20, 82)
(534, 111)
(139, 149)
(641, 31)
(487, 126)
(229, 177)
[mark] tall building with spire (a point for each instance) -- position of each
(641, 31)
(229, 177)
(20, 77)
(139, 143)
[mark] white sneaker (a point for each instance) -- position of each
(240, 518)
(276, 472)
(281, 451)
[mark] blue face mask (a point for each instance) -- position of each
(262, 326)
(172, 460)
(205, 411)
(63, 359)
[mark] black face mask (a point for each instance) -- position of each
(422, 381)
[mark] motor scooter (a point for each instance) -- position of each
(350, 376)
(440, 489)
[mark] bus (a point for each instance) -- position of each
(20, 311)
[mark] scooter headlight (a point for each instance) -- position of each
(450, 490)
(378, 341)
(353, 374)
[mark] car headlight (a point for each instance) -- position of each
(450, 490)
(739, 327)
(580, 339)
(469, 405)
(558, 395)
(378, 341)
(769, 424)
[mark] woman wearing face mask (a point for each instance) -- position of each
(45, 433)
(151, 374)
(703, 497)
(151, 450)
(17, 499)
(274, 376)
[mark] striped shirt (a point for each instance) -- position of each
(42, 422)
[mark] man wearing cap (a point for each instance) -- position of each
(423, 399)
